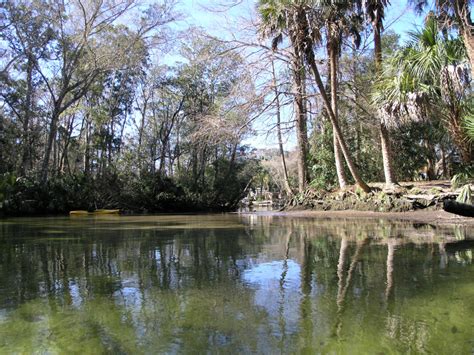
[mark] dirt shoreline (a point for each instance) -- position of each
(436, 217)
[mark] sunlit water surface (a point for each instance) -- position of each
(234, 283)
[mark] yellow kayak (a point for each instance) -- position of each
(106, 212)
(96, 212)
(78, 213)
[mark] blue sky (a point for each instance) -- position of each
(400, 17)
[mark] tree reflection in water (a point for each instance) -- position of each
(248, 284)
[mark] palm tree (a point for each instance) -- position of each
(375, 12)
(334, 20)
(428, 79)
(469, 124)
(338, 18)
(308, 29)
(457, 13)
(276, 20)
(333, 50)
(300, 20)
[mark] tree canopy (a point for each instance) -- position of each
(119, 103)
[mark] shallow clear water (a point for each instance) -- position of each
(230, 283)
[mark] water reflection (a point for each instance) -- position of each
(242, 283)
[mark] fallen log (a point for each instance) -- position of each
(462, 209)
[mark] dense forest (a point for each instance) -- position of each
(117, 104)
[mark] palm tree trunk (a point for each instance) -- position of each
(463, 13)
(337, 130)
(468, 38)
(460, 139)
(387, 156)
(390, 267)
(280, 140)
(341, 176)
(301, 128)
(340, 265)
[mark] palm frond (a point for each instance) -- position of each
(465, 195)
(469, 125)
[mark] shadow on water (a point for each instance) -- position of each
(242, 283)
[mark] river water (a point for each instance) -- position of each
(234, 284)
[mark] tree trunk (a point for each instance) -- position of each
(25, 161)
(387, 156)
(430, 159)
(122, 132)
(87, 148)
(390, 267)
(177, 149)
(337, 130)
(460, 139)
(341, 265)
(468, 38)
(443, 162)
(341, 176)
(463, 14)
(161, 168)
(462, 209)
(55, 156)
(53, 127)
(286, 180)
(140, 137)
(194, 165)
(233, 156)
(202, 169)
(170, 161)
(67, 140)
(301, 128)
(110, 140)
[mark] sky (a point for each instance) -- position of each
(399, 18)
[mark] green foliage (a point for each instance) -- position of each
(410, 157)
(361, 194)
(427, 81)
(9, 148)
(126, 191)
(126, 131)
(465, 195)
(359, 139)
(322, 157)
(463, 177)
(469, 122)
(7, 185)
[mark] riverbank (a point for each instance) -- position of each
(404, 197)
(420, 216)
(419, 202)
(22, 197)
